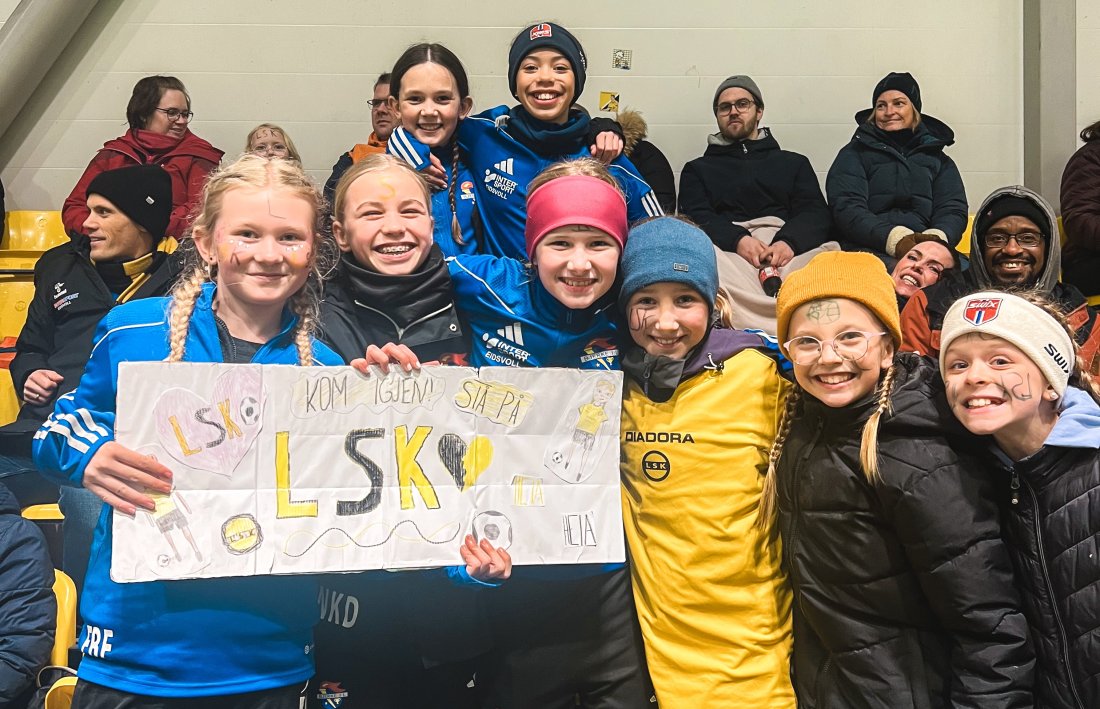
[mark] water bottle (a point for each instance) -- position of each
(770, 280)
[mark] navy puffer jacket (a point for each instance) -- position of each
(28, 611)
(1051, 503)
(874, 185)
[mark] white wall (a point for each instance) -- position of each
(310, 66)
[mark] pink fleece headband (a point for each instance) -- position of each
(574, 200)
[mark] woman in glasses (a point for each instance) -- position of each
(159, 114)
(893, 179)
(903, 589)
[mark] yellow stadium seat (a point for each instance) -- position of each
(38, 513)
(1094, 300)
(65, 636)
(33, 231)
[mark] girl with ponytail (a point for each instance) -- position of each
(1014, 375)
(430, 94)
(903, 589)
(250, 294)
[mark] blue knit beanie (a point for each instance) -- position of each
(668, 250)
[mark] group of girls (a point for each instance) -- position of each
(832, 543)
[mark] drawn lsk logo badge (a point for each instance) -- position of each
(241, 534)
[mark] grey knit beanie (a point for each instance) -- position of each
(739, 81)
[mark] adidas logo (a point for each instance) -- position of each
(505, 166)
(513, 332)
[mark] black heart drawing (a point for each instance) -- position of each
(452, 450)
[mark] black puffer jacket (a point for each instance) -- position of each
(1053, 534)
(903, 590)
(874, 186)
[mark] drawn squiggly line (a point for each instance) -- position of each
(389, 535)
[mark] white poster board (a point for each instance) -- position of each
(282, 469)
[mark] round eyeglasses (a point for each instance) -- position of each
(850, 345)
(174, 114)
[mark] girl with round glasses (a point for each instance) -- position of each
(903, 590)
(159, 114)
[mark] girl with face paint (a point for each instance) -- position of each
(903, 590)
(712, 600)
(249, 295)
(1014, 376)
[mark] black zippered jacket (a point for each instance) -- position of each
(750, 179)
(70, 298)
(904, 594)
(1052, 534)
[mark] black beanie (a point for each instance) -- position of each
(547, 35)
(901, 81)
(1010, 205)
(141, 192)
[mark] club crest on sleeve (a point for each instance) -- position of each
(979, 311)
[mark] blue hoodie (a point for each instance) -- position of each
(1078, 423)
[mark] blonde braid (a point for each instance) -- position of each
(868, 449)
(769, 497)
(184, 296)
(456, 228)
(303, 304)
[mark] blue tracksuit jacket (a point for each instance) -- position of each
(174, 638)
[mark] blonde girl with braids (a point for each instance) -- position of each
(250, 294)
(430, 94)
(903, 588)
(1015, 376)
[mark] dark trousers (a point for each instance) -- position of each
(558, 642)
(94, 696)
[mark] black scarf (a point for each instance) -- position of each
(402, 298)
(549, 139)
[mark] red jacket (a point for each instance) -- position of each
(188, 160)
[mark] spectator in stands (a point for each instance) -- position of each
(271, 141)
(759, 204)
(651, 163)
(924, 258)
(893, 178)
(1015, 246)
(159, 113)
(1081, 214)
(28, 609)
(119, 254)
(382, 120)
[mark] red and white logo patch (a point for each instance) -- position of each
(979, 311)
(540, 31)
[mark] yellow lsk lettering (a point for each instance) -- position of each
(284, 506)
(187, 450)
(232, 429)
(409, 472)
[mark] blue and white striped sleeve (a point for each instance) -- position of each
(641, 201)
(404, 146)
(83, 419)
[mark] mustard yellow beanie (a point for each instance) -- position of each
(853, 275)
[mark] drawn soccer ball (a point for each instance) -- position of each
(250, 410)
(557, 457)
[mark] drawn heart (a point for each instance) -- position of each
(465, 463)
(212, 434)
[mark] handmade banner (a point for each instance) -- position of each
(282, 470)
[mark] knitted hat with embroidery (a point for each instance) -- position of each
(547, 35)
(854, 275)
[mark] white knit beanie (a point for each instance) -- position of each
(1015, 320)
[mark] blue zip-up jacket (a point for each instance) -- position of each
(174, 638)
(404, 146)
(515, 322)
(503, 167)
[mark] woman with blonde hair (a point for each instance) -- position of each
(903, 589)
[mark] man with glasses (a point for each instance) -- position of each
(760, 205)
(1014, 245)
(382, 122)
